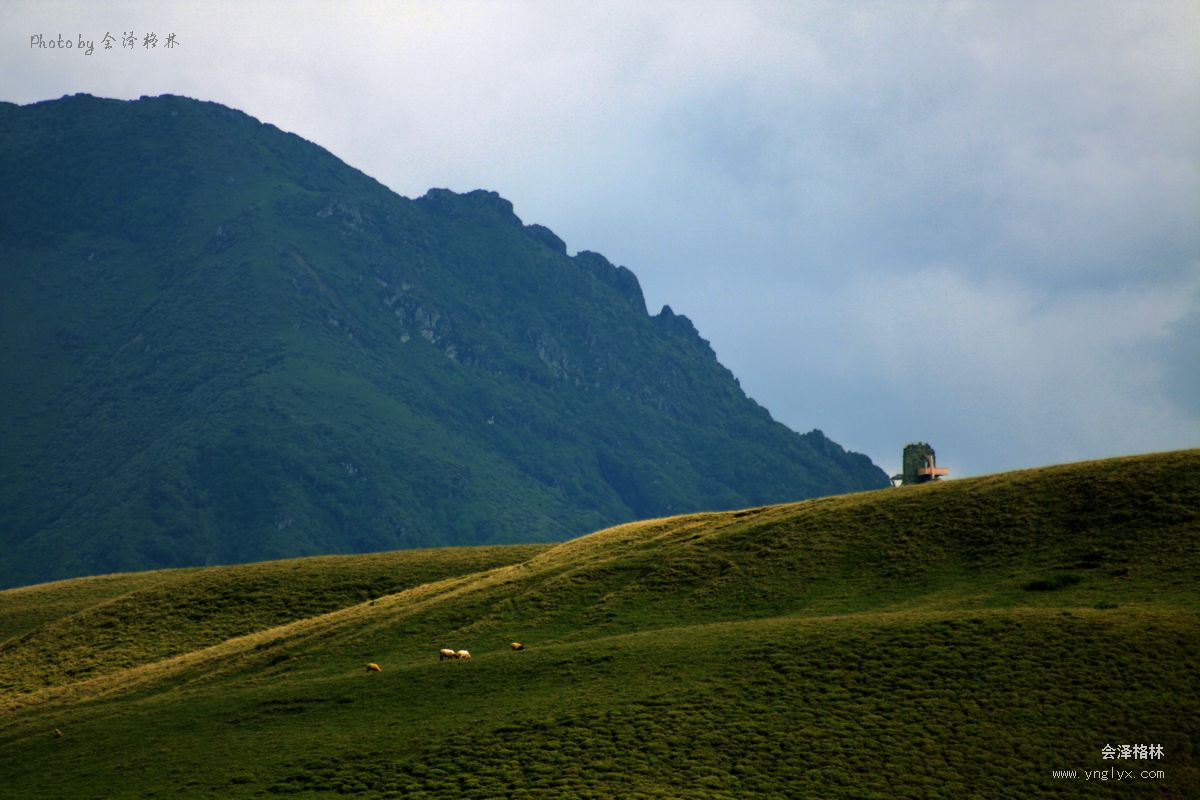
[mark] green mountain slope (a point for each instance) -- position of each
(954, 640)
(218, 343)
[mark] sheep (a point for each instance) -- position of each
(517, 646)
(463, 654)
(373, 667)
(446, 652)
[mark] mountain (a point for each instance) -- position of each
(220, 344)
(961, 639)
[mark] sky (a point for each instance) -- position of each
(975, 224)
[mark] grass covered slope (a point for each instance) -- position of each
(60, 633)
(952, 640)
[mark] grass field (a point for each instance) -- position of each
(963, 639)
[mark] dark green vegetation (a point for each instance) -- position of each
(877, 645)
(219, 343)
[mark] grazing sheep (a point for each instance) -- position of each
(446, 652)
(463, 654)
(517, 646)
(373, 667)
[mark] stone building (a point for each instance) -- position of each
(919, 465)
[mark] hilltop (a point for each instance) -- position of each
(958, 639)
(219, 344)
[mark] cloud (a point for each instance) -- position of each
(996, 376)
(1178, 351)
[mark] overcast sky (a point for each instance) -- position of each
(973, 224)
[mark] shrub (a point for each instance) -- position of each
(1055, 583)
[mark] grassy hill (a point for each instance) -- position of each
(961, 639)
